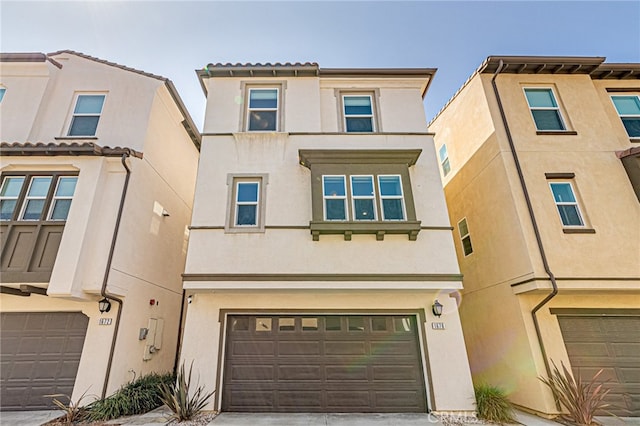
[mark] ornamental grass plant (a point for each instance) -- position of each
(182, 398)
(493, 405)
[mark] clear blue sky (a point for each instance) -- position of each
(174, 38)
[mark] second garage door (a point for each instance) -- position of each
(327, 363)
(611, 343)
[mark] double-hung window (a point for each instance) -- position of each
(544, 109)
(262, 110)
(86, 114)
(566, 204)
(2, 92)
(334, 190)
(358, 113)
(247, 199)
(444, 160)
(391, 197)
(628, 107)
(246, 203)
(465, 237)
(36, 197)
(364, 198)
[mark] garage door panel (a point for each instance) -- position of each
(336, 364)
(610, 343)
(40, 355)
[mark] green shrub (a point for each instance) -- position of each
(493, 405)
(581, 399)
(181, 399)
(137, 397)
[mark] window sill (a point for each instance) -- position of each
(634, 140)
(579, 230)
(75, 138)
(379, 228)
(557, 132)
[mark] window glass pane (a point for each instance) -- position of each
(262, 120)
(362, 186)
(633, 126)
(39, 187)
(248, 192)
(263, 324)
(309, 324)
(84, 126)
(462, 227)
(335, 209)
(334, 186)
(390, 185)
(267, 98)
(33, 209)
(402, 324)
(356, 323)
(378, 323)
(89, 104)
(443, 152)
(6, 209)
(2, 90)
(392, 209)
(240, 324)
(246, 214)
(357, 105)
(11, 186)
(627, 104)
(66, 187)
(60, 209)
(363, 209)
(332, 323)
(360, 124)
(540, 98)
(287, 324)
(446, 167)
(569, 215)
(466, 245)
(563, 193)
(547, 119)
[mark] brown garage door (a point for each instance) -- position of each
(323, 364)
(613, 344)
(40, 353)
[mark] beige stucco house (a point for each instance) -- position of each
(319, 243)
(540, 162)
(98, 173)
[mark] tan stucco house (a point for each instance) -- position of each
(540, 162)
(98, 172)
(319, 243)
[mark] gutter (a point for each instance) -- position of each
(103, 290)
(536, 230)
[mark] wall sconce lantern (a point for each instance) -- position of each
(436, 308)
(104, 305)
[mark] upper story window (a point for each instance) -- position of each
(36, 197)
(628, 107)
(444, 160)
(86, 114)
(566, 202)
(262, 110)
(544, 109)
(2, 92)
(465, 237)
(246, 203)
(358, 113)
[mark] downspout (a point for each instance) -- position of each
(103, 291)
(536, 231)
(180, 331)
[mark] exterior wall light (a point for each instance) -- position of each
(104, 305)
(436, 308)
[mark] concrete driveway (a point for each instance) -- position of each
(28, 418)
(322, 419)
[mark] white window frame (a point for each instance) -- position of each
(5, 179)
(27, 198)
(467, 235)
(556, 108)
(392, 197)
(622, 116)
(238, 203)
(567, 203)
(371, 197)
(55, 198)
(370, 116)
(73, 114)
(444, 160)
(337, 197)
(249, 109)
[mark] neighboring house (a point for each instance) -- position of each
(83, 140)
(541, 166)
(319, 242)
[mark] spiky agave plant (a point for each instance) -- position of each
(582, 399)
(73, 411)
(184, 401)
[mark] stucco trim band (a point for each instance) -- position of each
(322, 277)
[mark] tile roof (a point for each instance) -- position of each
(62, 149)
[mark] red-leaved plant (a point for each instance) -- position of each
(582, 399)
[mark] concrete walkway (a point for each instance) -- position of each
(27, 418)
(323, 419)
